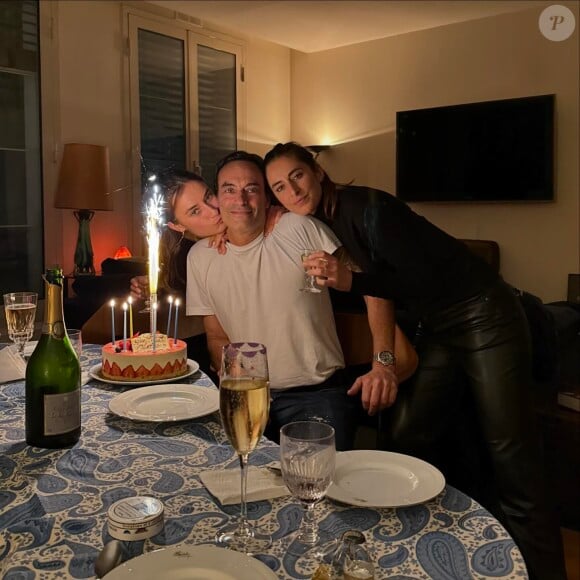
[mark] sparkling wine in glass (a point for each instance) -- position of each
(310, 284)
(20, 308)
(244, 408)
(307, 456)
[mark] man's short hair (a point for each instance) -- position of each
(242, 156)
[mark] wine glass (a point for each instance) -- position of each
(20, 308)
(309, 281)
(307, 456)
(244, 408)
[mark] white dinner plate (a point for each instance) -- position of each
(383, 479)
(95, 372)
(162, 403)
(193, 563)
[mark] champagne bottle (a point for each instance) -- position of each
(53, 377)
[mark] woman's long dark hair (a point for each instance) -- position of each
(300, 153)
(174, 246)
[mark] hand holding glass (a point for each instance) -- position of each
(244, 408)
(20, 308)
(309, 281)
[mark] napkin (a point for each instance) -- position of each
(225, 484)
(12, 365)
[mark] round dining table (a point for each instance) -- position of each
(54, 502)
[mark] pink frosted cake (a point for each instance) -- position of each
(139, 362)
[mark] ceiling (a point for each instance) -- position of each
(311, 26)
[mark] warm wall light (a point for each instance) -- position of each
(317, 149)
(83, 185)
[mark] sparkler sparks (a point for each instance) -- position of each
(153, 224)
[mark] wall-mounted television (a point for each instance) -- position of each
(489, 151)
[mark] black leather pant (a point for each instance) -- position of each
(486, 338)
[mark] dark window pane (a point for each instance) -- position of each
(14, 265)
(217, 106)
(11, 110)
(162, 101)
(13, 188)
(21, 260)
(19, 34)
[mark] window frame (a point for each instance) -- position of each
(191, 35)
(34, 224)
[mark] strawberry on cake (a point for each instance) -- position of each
(138, 361)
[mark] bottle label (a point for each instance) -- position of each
(62, 412)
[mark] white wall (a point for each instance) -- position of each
(349, 96)
(90, 105)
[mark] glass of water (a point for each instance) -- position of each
(20, 309)
(75, 336)
(307, 456)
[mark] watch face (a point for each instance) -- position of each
(386, 357)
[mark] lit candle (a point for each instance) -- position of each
(154, 327)
(112, 305)
(176, 317)
(130, 301)
(124, 326)
(170, 300)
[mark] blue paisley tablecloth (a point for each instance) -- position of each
(53, 503)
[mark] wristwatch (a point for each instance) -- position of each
(385, 357)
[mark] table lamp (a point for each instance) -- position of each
(83, 185)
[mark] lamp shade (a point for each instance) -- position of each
(84, 181)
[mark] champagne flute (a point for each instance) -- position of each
(244, 408)
(309, 281)
(307, 457)
(20, 308)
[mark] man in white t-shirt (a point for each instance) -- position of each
(252, 293)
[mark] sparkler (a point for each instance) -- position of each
(153, 223)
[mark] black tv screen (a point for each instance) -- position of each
(489, 151)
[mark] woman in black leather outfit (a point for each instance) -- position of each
(471, 323)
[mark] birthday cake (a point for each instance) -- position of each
(140, 361)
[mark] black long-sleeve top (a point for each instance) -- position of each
(403, 256)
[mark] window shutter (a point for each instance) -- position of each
(162, 101)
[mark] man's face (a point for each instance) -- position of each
(242, 201)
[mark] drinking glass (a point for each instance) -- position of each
(20, 308)
(307, 455)
(309, 281)
(244, 408)
(76, 339)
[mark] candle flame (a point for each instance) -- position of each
(130, 300)
(170, 299)
(153, 223)
(125, 306)
(112, 303)
(177, 302)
